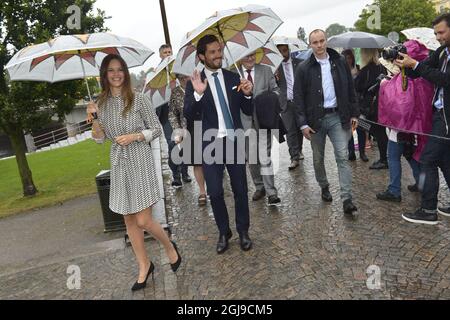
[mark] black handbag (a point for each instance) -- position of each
(268, 108)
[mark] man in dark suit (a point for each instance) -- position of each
(286, 75)
(178, 171)
(437, 151)
(217, 96)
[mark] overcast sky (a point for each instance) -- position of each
(141, 19)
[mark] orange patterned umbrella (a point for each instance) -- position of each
(241, 30)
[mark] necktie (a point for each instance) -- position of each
(289, 81)
(223, 103)
(249, 77)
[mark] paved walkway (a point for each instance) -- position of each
(304, 249)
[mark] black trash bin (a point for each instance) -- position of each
(113, 221)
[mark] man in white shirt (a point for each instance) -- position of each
(217, 96)
(286, 80)
(327, 106)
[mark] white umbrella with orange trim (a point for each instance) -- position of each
(72, 57)
(241, 31)
(267, 56)
(160, 82)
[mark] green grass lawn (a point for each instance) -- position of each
(59, 175)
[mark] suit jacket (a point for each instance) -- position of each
(430, 69)
(205, 109)
(283, 84)
(264, 81)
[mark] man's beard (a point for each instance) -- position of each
(210, 66)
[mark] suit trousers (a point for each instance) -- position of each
(435, 155)
(294, 134)
(259, 158)
(214, 174)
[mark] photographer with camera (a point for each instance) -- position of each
(437, 150)
(367, 90)
(403, 104)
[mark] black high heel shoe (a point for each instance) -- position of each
(176, 265)
(139, 286)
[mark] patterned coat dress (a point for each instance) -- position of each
(134, 184)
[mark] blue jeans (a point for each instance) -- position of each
(395, 151)
(332, 127)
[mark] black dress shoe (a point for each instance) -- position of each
(139, 286)
(177, 263)
(388, 196)
(363, 157)
(222, 244)
(413, 188)
(379, 165)
(349, 207)
(245, 241)
(326, 195)
(187, 178)
(352, 156)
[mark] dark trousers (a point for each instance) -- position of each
(163, 115)
(436, 155)
(294, 134)
(214, 182)
(379, 132)
(361, 142)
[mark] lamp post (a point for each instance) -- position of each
(164, 20)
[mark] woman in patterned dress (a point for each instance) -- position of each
(181, 128)
(129, 121)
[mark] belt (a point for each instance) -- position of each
(290, 101)
(330, 110)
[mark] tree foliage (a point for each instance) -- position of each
(25, 106)
(335, 29)
(396, 16)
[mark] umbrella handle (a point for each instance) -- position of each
(90, 98)
(229, 52)
(85, 80)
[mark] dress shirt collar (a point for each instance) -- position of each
(209, 73)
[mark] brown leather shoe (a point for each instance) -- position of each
(258, 195)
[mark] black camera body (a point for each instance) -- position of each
(391, 53)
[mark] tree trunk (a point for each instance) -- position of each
(20, 148)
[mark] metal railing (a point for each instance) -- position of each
(49, 138)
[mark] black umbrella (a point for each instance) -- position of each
(359, 40)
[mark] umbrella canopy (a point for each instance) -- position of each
(73, 57)
(359, 40)
(294, 44)
(425, 36)
(241, 30)
(304, 55)
(159, 83)
(267, 56)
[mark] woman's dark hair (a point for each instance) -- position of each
(204, 41)
(349, 53)
(127, 91)
(443, 17)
